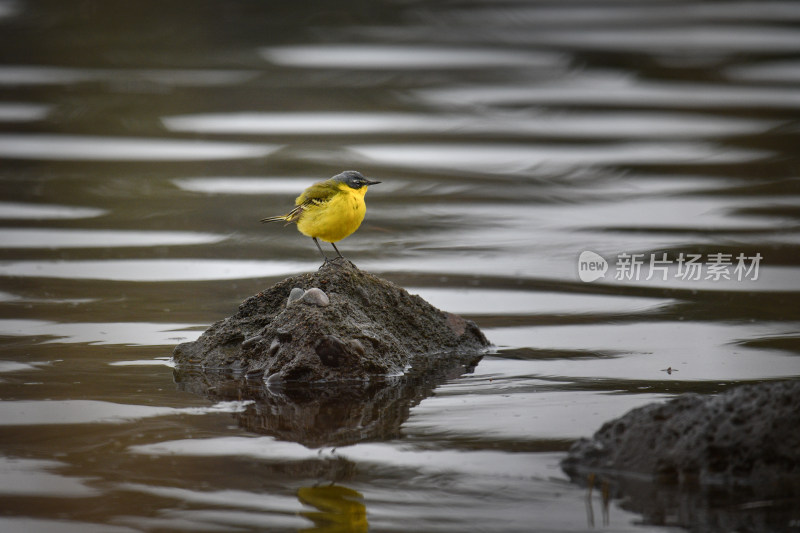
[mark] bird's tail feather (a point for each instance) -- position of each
(289, 217)
(278, 218)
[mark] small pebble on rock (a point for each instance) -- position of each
(316, 296)
(274, 347)
(295, 295)
(356, 346)
(249, 343)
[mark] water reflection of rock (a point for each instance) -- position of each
(706, 509)
(317, 415)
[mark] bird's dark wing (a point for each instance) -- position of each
(317, 194)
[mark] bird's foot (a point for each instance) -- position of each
(336, 261)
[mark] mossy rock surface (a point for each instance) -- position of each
(362, 326)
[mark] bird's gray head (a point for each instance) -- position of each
(353, 179)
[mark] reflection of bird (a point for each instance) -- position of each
(330, 210)
(341, 509)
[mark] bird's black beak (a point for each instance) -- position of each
(370, 182)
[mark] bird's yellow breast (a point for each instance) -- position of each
(334, 219)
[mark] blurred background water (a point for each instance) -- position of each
(142, 141)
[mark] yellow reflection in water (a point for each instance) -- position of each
(341, 510)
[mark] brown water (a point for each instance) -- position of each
(142, 141)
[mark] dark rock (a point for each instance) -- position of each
(336, 324)
(750, 434)
(332, 351)
(710, 464)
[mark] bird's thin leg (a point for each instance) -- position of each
(325, 257)
(337, 250)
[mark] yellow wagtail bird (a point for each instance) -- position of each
(330, 210)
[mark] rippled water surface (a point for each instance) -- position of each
(141, 142)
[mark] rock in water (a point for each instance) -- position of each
(749, 435)
(336, 324)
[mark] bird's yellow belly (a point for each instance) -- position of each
(334, 220)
